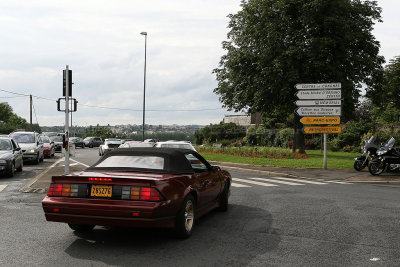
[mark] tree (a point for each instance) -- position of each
(389, 90)
(9, 120)
(274, 44)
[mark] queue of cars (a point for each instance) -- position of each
(20, 146)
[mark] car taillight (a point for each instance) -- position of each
(141, 193)
(63, 190)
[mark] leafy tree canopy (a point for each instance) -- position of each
(274, 44)
(9, 121)
(389, 91)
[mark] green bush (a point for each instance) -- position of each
(286, 135)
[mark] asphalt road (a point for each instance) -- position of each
(271, 222)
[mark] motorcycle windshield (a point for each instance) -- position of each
(372, 140)
(390, 142)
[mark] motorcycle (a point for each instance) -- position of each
(368, 151)
(387, 159)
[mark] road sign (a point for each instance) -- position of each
(313, 86)
(336, 102)
(320, 120)
(319, 94)
(319, 111)
(325, 129)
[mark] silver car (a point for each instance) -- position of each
(31, 145)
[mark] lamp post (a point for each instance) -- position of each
(144, 83)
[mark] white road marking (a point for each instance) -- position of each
(2, 186)
(83, 164)
(276, 181)
(252, 182)
(32, 181)
(298, 180)
(335, 182)
(239, 185)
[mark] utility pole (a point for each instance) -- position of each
(71, 115)
(67, 84)
(144, 82)
(31, 103)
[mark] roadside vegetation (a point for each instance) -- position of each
(314, 159)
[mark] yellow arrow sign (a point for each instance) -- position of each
(320, 120)
(326, 129)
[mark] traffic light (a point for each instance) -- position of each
(69, 82)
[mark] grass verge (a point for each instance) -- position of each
(315, 160)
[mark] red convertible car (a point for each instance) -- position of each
(140, 187)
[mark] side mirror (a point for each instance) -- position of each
(17, 149)
(215, 168)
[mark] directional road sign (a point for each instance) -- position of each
(336, 102)
(319, 111)
(313, 86)
(320, 120)
(325, 129)
(319, 94)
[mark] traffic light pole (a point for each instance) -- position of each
(67, 120)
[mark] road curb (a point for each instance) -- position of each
(26, 188)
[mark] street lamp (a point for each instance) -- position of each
(144, 83)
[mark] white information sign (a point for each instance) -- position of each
(336, 102)
(313, 86)
(319, 94)
(319, 111)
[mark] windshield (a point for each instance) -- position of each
(45, 139)
(137, 145)
(390, 142)
(23, 137)
(137, 162)
(56, 138)
(5, 145)
(372, 140)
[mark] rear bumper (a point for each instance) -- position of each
(108, 212)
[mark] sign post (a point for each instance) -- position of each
(67, 95)
(320, 103)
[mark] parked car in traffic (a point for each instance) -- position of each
(93, 141)
(31, 145)
(58, 142)
(175, 144)
(48, 145)
(77, 141)
(131, 144)
(146, 187)
(10, 157)
(109, 145)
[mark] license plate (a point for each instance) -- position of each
(101, 191)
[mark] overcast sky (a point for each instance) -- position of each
(101, 42)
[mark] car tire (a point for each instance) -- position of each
(53, 153)
(11, 172)
(185, 218)
(21, 166)
(37, 160)
(42, 158)
(91, 146)
(81, 227)
(224, 198)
